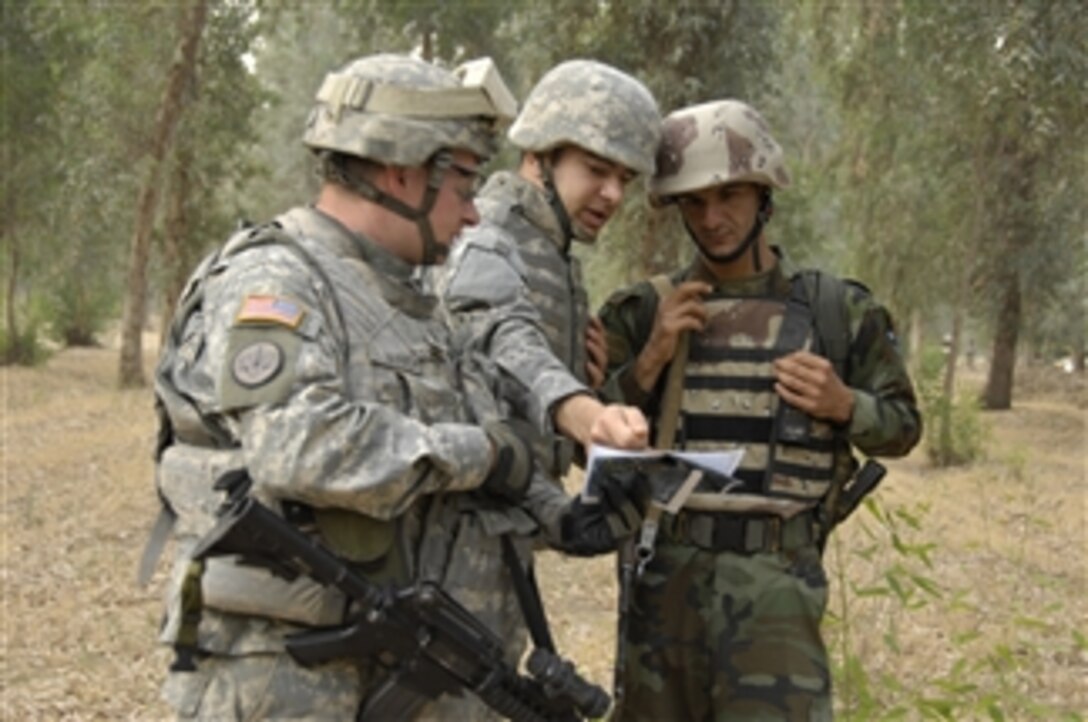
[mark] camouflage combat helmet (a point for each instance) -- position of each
(724, 141)
(400, 110)
(593, 106)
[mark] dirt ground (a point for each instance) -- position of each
(967, 601)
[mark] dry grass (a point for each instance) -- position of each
(1008, 557)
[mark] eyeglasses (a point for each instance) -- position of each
(467, 194)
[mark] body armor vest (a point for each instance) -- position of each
(726, 400)
(391, 356)
(554, 279)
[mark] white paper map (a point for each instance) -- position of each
(719, 462)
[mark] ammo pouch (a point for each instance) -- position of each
(230, 586)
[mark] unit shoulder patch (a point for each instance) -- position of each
(257, 364)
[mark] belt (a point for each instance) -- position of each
(723, 532)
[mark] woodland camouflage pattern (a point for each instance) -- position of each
(593, 106)
(358, 409)
(732, 635)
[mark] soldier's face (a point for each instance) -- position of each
(720, 217)
(590, 187)
(454, 206)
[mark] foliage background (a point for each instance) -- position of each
(938, 152)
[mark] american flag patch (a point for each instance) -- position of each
(270, 309)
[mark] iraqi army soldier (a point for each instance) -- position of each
(304, 355)
(585, 132)
(742, 350)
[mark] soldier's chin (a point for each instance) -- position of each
(583, 233)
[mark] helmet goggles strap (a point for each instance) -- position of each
(551, 193)
(763, 214)
(439, 165)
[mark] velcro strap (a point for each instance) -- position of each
(342, 89)
(740, 534)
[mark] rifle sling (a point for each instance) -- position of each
(528, 593)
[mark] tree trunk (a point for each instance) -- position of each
(175, 258)
(11, 321)
(181, 74)
(998, 392)
(914, 343)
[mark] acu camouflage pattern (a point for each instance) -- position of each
(346, 126)
(372, 431)
(593, 106)
(725, 636)
(516, 253)
(724, 141)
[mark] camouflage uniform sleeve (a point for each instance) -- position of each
(307, 438)
(485, 295)
(627, 317)
(886, 420)
(546, 501)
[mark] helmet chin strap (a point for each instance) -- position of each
(420, 215)
(763, 214)
(551, 193)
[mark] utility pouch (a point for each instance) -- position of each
(236, 588)
(795, 426)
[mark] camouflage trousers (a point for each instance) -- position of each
(723, 636)
(264, 687)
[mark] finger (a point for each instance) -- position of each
(794, 399)
(639, 426)
(689, 289)
(594, 375)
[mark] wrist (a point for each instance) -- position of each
(574, 416)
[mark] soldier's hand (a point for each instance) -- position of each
(591, 528)
(810, 383)
(623, 427)
(596, 353)
(680, 311)
(512, 467)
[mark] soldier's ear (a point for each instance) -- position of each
(530, 167)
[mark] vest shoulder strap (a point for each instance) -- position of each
(826, 296)
(662, 285)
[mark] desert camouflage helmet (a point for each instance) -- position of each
(724, 141)
(400, 110)
(593, 106)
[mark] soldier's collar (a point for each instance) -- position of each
(773, 281)
(530, 198)
(395, 278)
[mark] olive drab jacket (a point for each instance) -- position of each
(725, 394)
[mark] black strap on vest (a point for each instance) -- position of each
(790, 423)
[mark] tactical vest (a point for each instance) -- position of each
(195, 449)
(719, 395)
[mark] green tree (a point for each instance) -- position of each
(192, 18)
(39, 50)
(210, 161)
